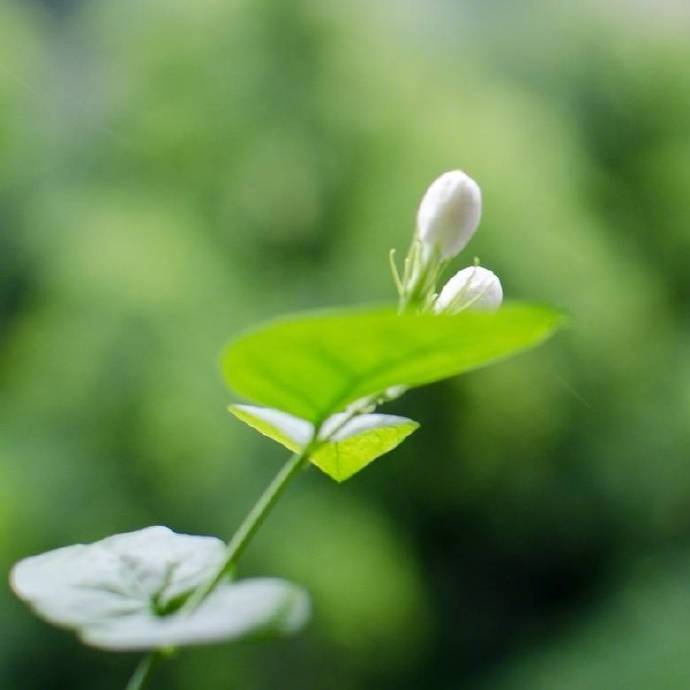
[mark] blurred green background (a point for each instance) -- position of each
(172, 171)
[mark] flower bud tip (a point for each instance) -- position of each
(449, 214)
(474, 288)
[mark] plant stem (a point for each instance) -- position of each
(251, 524)
(235, 548)
(246, 531)
(143, 672)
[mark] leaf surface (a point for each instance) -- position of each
(314, 365)
(349, 444)
(115, 592)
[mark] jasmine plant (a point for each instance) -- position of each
(312, 383)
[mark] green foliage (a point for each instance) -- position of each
(314, 365)
(173, 171)
(351, 446)
(637, 640)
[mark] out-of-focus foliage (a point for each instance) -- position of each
(171, 172)
(638, 640)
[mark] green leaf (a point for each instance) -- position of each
(119, 593)
(349, 444)
(313, 365)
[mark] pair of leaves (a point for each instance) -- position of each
(348, 443)
(114, 592)
(308, 368)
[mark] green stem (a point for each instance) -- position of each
(235, 548)
(251, 524)
(244, 534)
(419, 279)
(143, 672)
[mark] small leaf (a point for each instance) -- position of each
(313, 365)
(348, 446)
(115, 593)
(359, 442)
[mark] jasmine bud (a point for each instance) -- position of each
(449, 214)
(471, 288)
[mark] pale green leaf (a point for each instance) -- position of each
(124, 592)
(313, 365)
(347, 444)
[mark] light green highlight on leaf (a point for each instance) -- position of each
(313, 365)
(349, 444)
(292, 432)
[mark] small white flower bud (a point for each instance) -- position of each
(472, 288)
(449, 214)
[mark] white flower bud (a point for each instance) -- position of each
(472, 288)
(449, 214)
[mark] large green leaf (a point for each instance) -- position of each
(312, 365)
(349, 444)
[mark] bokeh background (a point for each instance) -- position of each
(172, 171)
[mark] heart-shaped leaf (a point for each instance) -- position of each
(348, 443)
(314, 365)
(124, 592)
